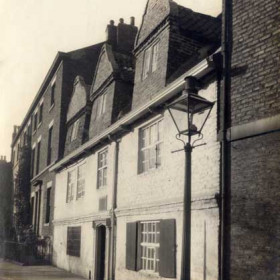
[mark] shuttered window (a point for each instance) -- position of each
(151, 247)
(73, 241)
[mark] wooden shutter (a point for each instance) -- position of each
(131, 246)
(167, 249)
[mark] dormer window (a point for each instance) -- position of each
(150, 60)
(75, 129)
(101, 107)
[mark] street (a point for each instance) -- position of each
(10, 271)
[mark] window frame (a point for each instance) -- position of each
(102, 168)
(49, 151)
(52, 94)
(38, 155)
(48, 205)
(80, 192)
(153, 246)
(70, 188)
(75, 130)
(157, 145)
(40, 119)
(150, 65)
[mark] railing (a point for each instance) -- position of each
(36, 253)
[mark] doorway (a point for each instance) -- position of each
(100, 252)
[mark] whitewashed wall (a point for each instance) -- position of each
(158, 194)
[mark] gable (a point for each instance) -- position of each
(156, 11)
(79, 98)
(104, 68)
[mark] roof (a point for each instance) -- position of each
(86, 57)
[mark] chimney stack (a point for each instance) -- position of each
(111, 33)
(132, 21)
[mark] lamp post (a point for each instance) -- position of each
(197, 110)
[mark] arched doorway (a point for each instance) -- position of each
(100, 252)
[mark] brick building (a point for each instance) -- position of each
(6, 204)
(251, 148)
(43, 131)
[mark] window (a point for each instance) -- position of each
(102, 169)
(48, 206)
(32, 161)
(35, 122)
(49, 156)
(151, 140)
(52, 94)
(75, 130)
(150, 63)
(18, 149)
(70, 185)
(73, 241)
(101, 104)
(38, 157)
(81, 181)
(151, 247)
(41, 113)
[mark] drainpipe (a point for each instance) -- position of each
(113, 216)
(224, 254)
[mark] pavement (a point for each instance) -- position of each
(12, 271)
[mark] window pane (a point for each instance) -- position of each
(147, 61)
(155, 57)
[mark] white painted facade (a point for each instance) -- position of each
(153, 195)
(82, 212)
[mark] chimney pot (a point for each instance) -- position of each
(121, 20)
(112, 22)
(132, 21)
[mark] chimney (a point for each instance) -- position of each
(126, 34)
(132, 21)
(111, 33)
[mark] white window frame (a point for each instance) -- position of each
(70, 185)
(150, 149)
(150, 243)
(101, 104)
(102, 168)
(81, 181)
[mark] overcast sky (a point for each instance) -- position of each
(33, 31)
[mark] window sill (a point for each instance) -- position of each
(149, 273)
(47, 225)
(51, 107)
(150, 171)
(102, 188)
(39, 124)
(34, 131)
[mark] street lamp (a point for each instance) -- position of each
(196, 110)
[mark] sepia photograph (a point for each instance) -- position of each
(140, 139)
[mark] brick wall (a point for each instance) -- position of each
(145, 90)
(255, 173)
(255, 207)
(256, 53)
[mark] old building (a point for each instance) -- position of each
(6, 204)
(43, 132)
(124, 184)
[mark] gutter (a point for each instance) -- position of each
(201, 69)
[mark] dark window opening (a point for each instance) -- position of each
(49, 156)
(48, 206)
(73, 241)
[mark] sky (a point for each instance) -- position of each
(33, 31)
